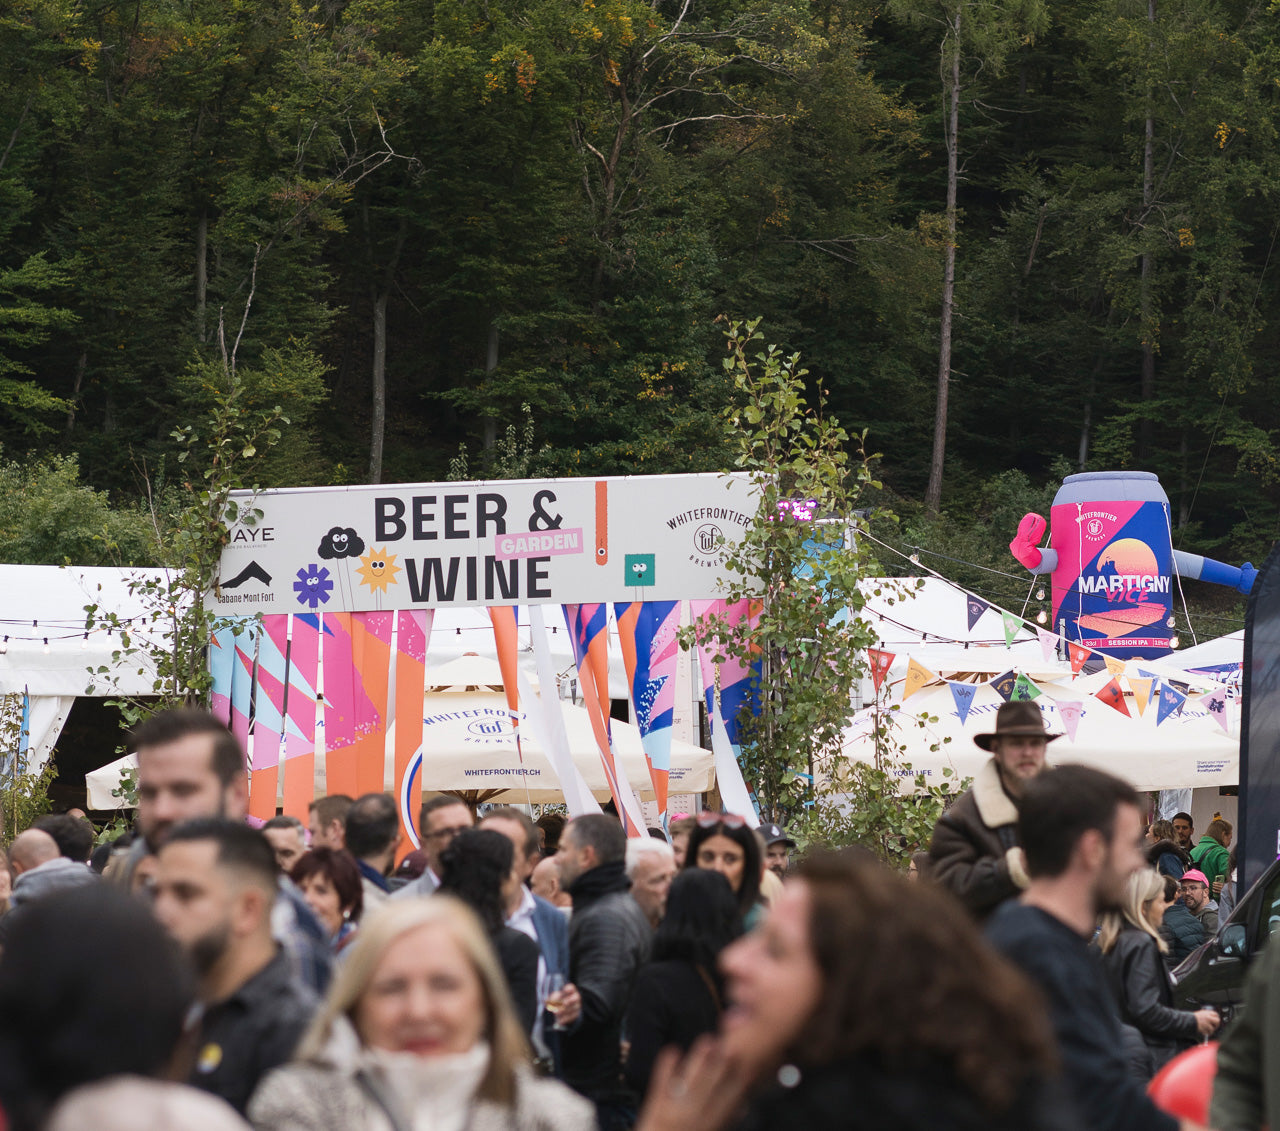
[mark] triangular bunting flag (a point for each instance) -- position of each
(1011, 626)
(1141, 689)
(917, 676)
(1048, 642)
(1113, 696)
(1078, 654)
(1069, 712)
(1024, 689)
(1004, 684)
(977, 606)
(880, 664)
(963, 694)
(1171, 701)
(1114, 666)
(1216, 704)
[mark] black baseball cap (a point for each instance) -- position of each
(773, 834)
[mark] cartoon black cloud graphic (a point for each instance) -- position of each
(341, 542)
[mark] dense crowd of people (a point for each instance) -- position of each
(205, 973)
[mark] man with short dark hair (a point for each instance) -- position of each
(373, 829)
(74, 835)
(1212, 855)
(975, 851)
(215, 890)
(442, 818)
(190, 765)
(609, 939)
(1081, 832)
(328, 816)
(1183, 830)
(288, 840)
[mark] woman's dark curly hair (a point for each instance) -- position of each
(474, 867)
(905, 972)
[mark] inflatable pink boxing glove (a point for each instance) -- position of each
(1024, 545)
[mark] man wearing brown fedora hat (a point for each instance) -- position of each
(975, 850)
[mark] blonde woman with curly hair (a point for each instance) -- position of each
(417, 1032)
(1131, 947)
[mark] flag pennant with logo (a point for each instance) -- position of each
(1003, 685)
(1141, 689)
(1114, 666)
(1171, 701)
(917, 676)
(1216, 704)
(648, 633)
(976, 607)
(1069, 711)
(963, 694)
(1113, 696)
(1011, 625)
(881, 662)
(1024, 689)
(1048, 643)
(588, 632)
(1078, 654)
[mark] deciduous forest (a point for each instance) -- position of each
(1050, 228)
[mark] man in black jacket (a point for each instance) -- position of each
(215, 888)
(609, 940)
(1081, 831)
(975, 851)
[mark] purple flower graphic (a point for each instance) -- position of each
(313, 586)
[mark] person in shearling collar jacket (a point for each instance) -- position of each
(975, 851)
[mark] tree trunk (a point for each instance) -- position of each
(378, 423)
(81, 362)
(202, 273)
(933, 494)
(1148, 382)
(379, 408)
(490, 364)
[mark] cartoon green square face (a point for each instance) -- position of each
(639, 569)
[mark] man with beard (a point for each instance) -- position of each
(1081, 831)
(215, 888)
(190, 765)
(975, 850)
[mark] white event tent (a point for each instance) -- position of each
(928, 626)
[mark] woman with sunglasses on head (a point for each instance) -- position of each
(722, 842)
(865, 1001)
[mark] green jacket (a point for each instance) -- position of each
(1211, 858)
(1246, 1091)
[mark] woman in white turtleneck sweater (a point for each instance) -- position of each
(417, 1034)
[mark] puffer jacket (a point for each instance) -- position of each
(972, 850)
(1168, 858)
(1182, 931)
(609, 940)
(1144, 995)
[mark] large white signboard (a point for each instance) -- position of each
(509, 542)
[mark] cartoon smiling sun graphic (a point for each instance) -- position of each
(378, 569)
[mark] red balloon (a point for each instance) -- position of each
(1184, 1086)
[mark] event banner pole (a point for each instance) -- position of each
(1259, 814)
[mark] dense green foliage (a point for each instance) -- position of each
(408, 220)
